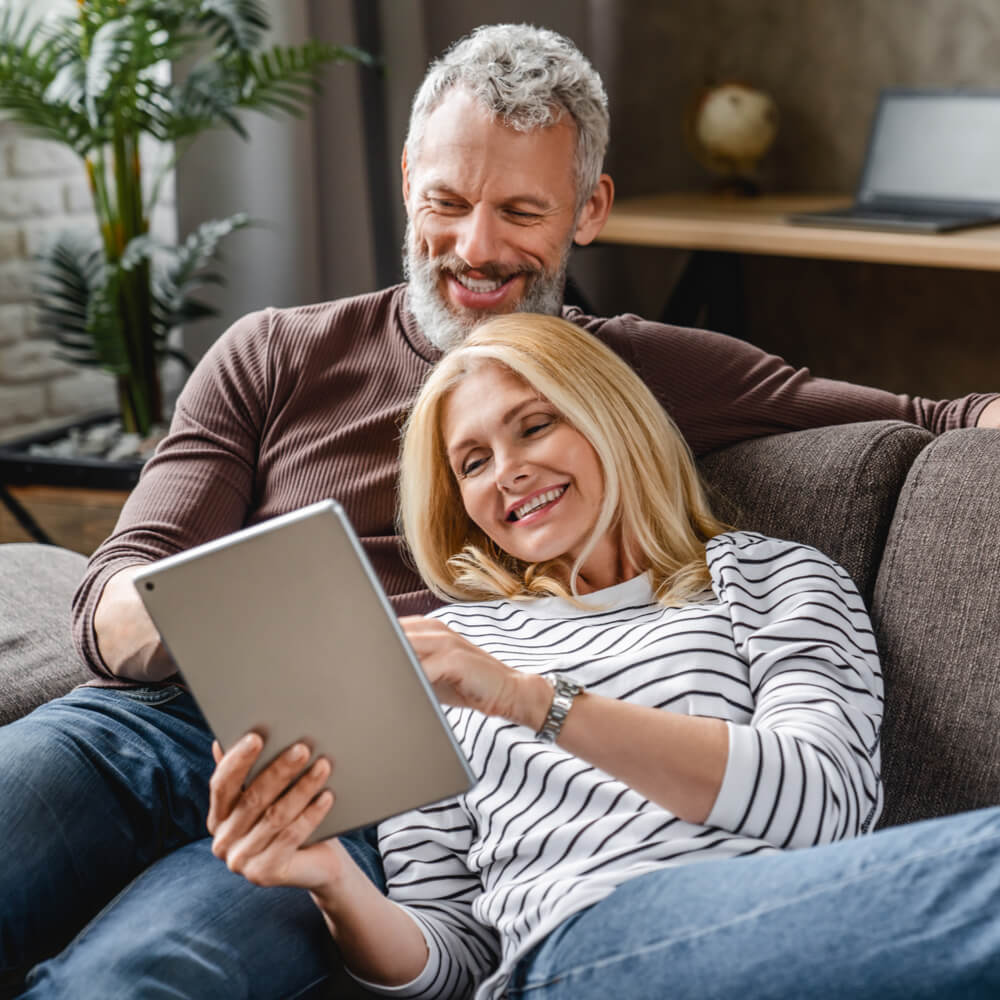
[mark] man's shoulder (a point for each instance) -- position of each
(624, 328)
(369, 310)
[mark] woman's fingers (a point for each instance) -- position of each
(233, 810)
(226, 783)
(284, 861)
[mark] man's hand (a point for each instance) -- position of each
(260, 831)
(465, 675)
(990, 417)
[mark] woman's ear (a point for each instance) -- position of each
(595, 212)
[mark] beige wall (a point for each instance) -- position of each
(911, 329)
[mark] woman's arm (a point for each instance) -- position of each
(802, 770)
(259, 832)
(677, 761)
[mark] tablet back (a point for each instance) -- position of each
(284, 629)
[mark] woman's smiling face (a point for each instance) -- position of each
(528, 479)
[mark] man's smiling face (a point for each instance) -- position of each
(492, 216)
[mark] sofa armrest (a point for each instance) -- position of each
(937, 616)
(37, 658)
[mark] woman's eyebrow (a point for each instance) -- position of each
(510, 415)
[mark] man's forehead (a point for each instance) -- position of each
(459, 112)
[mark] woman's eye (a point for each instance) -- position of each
(470, 468)
(534, 428)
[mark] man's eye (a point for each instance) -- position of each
(522, 216)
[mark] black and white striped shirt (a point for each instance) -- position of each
(782, 650)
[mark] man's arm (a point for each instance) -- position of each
(126, 637)
(990, 417)
(721, 390)
(198, 486)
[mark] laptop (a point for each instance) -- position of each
(283, 628)
(932, 165)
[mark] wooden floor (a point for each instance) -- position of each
(77, 519)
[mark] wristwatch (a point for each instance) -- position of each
(562, 701)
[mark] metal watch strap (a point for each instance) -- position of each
(566, 689)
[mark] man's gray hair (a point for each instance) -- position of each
(528, 78)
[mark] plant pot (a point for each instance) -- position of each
(73, 502)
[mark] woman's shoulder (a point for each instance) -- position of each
(758, 557)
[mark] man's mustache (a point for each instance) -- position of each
(492, 272)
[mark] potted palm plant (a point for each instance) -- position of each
(98, 81)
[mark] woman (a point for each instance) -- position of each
(642, 694)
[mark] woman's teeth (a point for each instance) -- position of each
(535, 502)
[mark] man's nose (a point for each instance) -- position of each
(477, 242)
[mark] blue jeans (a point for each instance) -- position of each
(108, 886)
(909, 913)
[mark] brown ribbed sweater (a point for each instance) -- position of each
(290, 406)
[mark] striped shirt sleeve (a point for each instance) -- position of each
(423, 854)
(806, 768)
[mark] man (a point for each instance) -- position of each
(109, 870)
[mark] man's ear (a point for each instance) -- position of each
(595, 212)
(405, 168)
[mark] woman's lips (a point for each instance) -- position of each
(559, 491)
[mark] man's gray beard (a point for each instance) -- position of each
(446, 329)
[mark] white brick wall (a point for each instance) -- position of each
(43, 189)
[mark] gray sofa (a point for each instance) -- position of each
(915, 519)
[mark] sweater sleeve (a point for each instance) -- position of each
(423, 854)
(806, 768)
(721, 390)
(200, 483)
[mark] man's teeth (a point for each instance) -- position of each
(478, 284)
(540, 501)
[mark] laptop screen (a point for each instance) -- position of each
(937, 146)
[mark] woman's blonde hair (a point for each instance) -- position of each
(653, 497)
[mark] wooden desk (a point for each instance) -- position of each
(757, 226)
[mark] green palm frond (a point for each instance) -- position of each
(238, 25)
(284, 78)
(95, 82)
(28, 67)
(187, 268)
(77, 295)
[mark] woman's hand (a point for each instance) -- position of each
(259, 831)
(465, 675)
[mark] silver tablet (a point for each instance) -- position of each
(283, 628)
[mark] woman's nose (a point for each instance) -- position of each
(509, 471)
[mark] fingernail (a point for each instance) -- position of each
(298, 752)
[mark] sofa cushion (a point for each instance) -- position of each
(937, 616)
(831, 487)
(37, 658)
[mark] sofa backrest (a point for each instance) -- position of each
(831, 487)
(937, 617)
(37, 658)
(916, 521)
